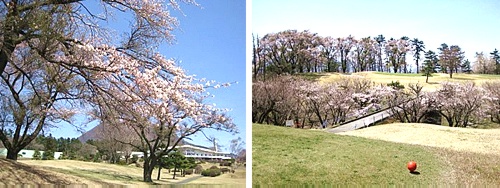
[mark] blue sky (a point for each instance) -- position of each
(472, 25)
(210, 43)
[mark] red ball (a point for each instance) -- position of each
(412, 166)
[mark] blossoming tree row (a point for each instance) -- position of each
(312, 104)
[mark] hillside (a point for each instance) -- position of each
(70, 172)
(93, 134)
(405, 79)
(284, 155)
(12, 172)
(486, 141)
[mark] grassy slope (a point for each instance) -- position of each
(405, 79)
(293, 156)
(100, 174)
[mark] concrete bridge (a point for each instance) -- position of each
(362, 122)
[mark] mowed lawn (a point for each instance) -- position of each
(284, 155)
(292, 156)
(34, 172)
(405, 79)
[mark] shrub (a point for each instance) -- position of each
(214, 167)
(211, 172)
(48, 155)
(188, 171)
(225, 163)
(37, 155)
(134, 159)
(97, 157)
(121, 162)
(198, 169)
(224, 170)
(396, 85)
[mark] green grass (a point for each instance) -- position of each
(405, 79)
(400, 74)
(99, 175)
(294, 156)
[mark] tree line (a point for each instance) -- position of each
(292, 51)
(312, 104)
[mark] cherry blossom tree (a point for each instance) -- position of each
(450, 58)
(412, 105)
(123, 79)
(33, 97)
(492, 90)
(329, 54)
(290, 52)
(396, 50)
(312, 103)
(344, 46)
(274, 100)
(460, 103)
(483, 64)
(110, 140)
(364, 53)
(162, 106)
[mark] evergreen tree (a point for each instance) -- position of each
(380, 40)
(37, 155)
(418, 46)
(429, 64)
(466, 67)
(48, 155)
(496, 57)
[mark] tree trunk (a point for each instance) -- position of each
(12, 154)
(175, 171)
(149, 165)
(3, 60)
(427, 79)
(159, 172)
(417, 67)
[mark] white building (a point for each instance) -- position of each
(28, 154)
(200, 152)
(197, 152)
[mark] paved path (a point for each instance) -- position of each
(189, 179)
(363, 122)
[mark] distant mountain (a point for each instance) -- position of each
(89, 135)
(93, 134)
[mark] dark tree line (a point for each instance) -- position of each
(291, 52)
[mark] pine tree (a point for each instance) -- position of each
(466, 66)
(37, 155)
(429, 64)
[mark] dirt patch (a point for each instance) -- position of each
(484, 141)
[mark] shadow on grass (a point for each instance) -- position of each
(415, 173)
(461, 78)
(14, 168)
(99, 175)
(432, 83)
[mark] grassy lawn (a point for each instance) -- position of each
(294, 156)
(405, 79)
(236, 179)
(299, 156)
(111, 174)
